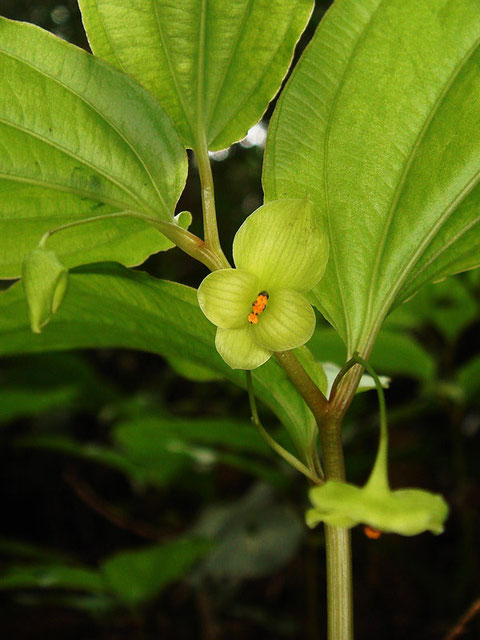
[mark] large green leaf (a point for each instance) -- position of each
(380, 126)
(213, 65)
(110, 306)
(79, 139)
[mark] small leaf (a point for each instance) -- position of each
(45, 281)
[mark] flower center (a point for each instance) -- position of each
(258, 305)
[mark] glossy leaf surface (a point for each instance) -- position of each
(214, 66)
(109, 306)
(79, 139)
(380, 126)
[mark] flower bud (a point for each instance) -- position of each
(45, 281)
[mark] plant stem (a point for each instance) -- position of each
(212, 240)
(183, 239)
(329, 416)
(337, 539)
(339, 583)
(302, 382)
(292, 460)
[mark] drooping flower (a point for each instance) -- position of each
(404, 511)
(280, 253)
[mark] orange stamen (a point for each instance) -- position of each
(258, 305)
(373, 534)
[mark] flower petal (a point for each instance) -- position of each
(239, 350)
(288, 321)
(226, 297)
(407, 511)
(281, 243)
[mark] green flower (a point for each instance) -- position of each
(259, 307)
(405, 511)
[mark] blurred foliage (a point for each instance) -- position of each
(135, 506)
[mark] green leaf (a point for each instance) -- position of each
(449, 306)
(79, 139)
(165, 447)
(139, 434)
(20, 402)
(109, 306)
(139, 575)
(468, 379)
(35, 385)
(94, 453)
(21, 549)
(192, 371)
(52, 576)
(214, 66)
(380, 126)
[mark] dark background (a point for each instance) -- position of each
(415, 588)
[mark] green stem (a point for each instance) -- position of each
(286, 455)
(337, 539)
(379, 474)
(302, 382)
(339, 583)
(329, 416)
(212, 240)
(183, 239)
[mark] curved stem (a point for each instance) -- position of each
(286, 455)
(183, 239)
(212, 240)
(379, 474)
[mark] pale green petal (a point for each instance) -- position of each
(281, 243)
(45, 282)
(407, 511)
(239, 350)
(226, 297)
(288, 321)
